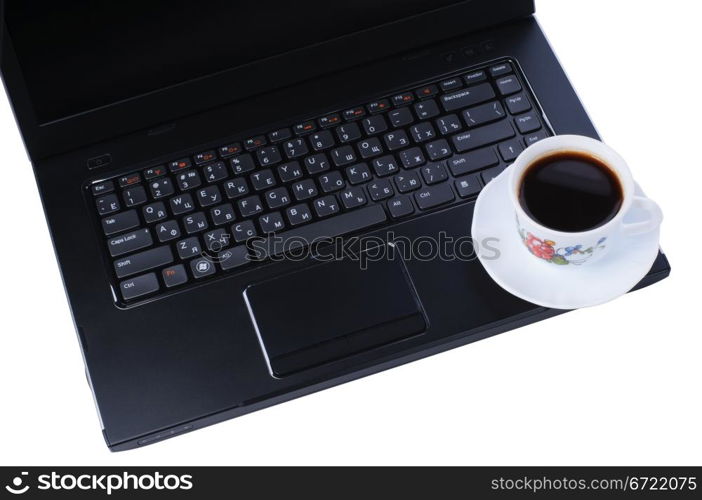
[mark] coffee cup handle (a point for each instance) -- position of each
(655, 217)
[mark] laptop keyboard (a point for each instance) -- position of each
(395, 158)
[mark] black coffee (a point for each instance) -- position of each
(570, 192)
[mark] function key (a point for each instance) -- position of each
(378, 106)
(305, 127)
(129, 180)
(427, 91)
(280, 135)
(402, 99)
(176, 165)
(500, 69)
(354, 113)
(229, 150)
(475, 77)
(204, 157)
(329, 120)
(254, 142)
(153, 172)
(103, 187)
(451, 84)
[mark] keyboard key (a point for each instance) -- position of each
(316, 164)
(236, 188)
(276, 198)
(263, 179)
(468, 185)
(268, 156)
(322, 140)
(333, 181)
(282, 134)
(449, 124)
(423, 132)
(153, 172)
(233, 257)
(189, 179)
(370, 147)
(426, 109)
(343, 156)
(243, 231)
(209, 196)
(385, 165)
(500, 69)
(325, 206)
(103, 187)
(139, 286)
(508, 85)
(438, 150)
(433, 173)
(470, 162)
(378, 106)
(254, 143)
(397, 139)
(222, 214)
(374, 124)
(201, 267)
(290, 171)
(154, 212)
(483, 136)
(242, 164)
(535, 137)
(143, 261)
(295, 148)
(527, 123)
(129, 180)
(475, 77)
(354, 114)
(204, 157)
(215, 171)
(400, 117)
(403, 99)
(412, 157)
(400, 206)
(134, 196)
(216, 240)
(451, 84)
(271, 223)
(407, 182)
(229, 150)
(250, 206)
(195, 223)
(485, 113)
(518, 104)
(304, 128)
(330, 120)
(348, 132)
(167, 231)
(358, 174)
(120, 222)
(304, 189)
(161, 187)
(182, 204)
(129, 242)
(430, 197)
(181, 164)
(174, 276)
(510, 150)
(427, 91)
(380, 190)
(353, 197)
(298, 214)
(107, 204)
(467, 97)
(188, 248)
(491, 173)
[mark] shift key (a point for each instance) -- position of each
(482, 136)
(143, 261)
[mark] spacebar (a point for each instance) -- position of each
(323, 230)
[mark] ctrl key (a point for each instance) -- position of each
(139, 286)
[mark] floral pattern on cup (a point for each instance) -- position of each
(549, 251)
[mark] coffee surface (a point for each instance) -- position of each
(570, 192)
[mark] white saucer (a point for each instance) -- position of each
(545, 283)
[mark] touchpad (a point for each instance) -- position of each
(333, 310)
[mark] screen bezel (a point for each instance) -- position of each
(195, 96)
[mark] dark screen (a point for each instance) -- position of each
(80, 55)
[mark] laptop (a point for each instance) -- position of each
(227, 185)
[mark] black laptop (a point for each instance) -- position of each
(227, 184)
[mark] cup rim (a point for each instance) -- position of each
(578, 143)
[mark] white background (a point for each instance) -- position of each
(615, 384)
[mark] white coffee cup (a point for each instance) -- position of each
(560, 247)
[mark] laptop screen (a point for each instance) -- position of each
(85, 54)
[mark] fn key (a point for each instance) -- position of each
(138, 286)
